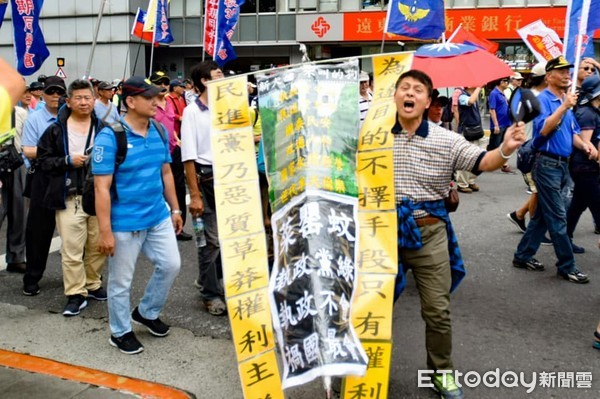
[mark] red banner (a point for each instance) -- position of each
(210, 26)
(488, 23)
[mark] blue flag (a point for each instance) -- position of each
(30, 47)
(576, 10)
(2, 12)
(162, 29)
(420, 19)
(229, 11)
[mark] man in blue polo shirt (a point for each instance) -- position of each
(136, 218)
(553, 132)
(499, 117)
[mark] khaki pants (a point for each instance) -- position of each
(431, 269)
(82, 264)
(465, 178)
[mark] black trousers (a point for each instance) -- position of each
(38, 237)
(13, 209)
(179, 178)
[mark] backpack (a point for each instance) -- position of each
(526, 156)
(88, 197)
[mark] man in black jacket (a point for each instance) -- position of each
(62, 153)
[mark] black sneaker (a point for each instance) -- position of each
(532, 264)
(74, 305)
(520, 223)
(127, 344)
(575, 276)
(31, 289)
(156, 327)
(99, 294)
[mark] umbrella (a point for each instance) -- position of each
(453, 64)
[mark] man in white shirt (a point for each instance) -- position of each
(197, 157)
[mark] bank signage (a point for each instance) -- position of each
(319, 27)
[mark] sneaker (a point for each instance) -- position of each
(467, 190)
(520, 223)
(532, 264)
(446, 386)
(156, 327)
(575, 276)
(99, 294)
(474, 187)
(546, 241)
(596, 230)
(577, 249)
(74, 305)
(31, 289)
(127, 344)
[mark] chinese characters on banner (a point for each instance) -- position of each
(378, 249)
(30, 46)
(310, 117)
(220, 21)
(543, 42)
(242, 238)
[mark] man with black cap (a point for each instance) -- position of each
(553, 132)
(136, 219)
(105, 110)
(36, 89)
(40, 220)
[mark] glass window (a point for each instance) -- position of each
(492, 3)
(464, 4)
(177, 30)
(193, 31)
(266, 31)
(247, 28)
(287, 27)
(176, 8)
(193, 8)
(512, 3)
(374, 4)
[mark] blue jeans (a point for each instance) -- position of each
(550, 176)
(160, 246)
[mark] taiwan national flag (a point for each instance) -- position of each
(419, 19)
(461, 35)
(138, 26)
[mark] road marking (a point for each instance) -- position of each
(86, 375)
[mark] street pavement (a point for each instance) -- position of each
(503, 318)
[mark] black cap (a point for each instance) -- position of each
(138, 86)
(441, 100)
(54, 81)
(160, 77)
(559, 62)
(105, 86)
(35, 86)
(175, 83)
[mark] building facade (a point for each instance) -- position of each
(268, 34)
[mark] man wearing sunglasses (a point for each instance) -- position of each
(587, 67)
(40, 220)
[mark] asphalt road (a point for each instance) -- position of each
(503, 318)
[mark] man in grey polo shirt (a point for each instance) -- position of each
(425, 158)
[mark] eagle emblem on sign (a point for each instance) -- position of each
(412, 13)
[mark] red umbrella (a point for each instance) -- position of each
(453, 64)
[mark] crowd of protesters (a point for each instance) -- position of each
(163, 125)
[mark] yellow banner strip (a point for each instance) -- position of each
(242, 238)
(378, 249)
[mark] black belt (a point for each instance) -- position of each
(554, 156)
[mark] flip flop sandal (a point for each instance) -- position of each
(216, 307)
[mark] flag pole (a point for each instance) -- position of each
(137, 56)
(453, 34)
(152, 51)
(126, 61)
(583, 23)
(89, 65)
